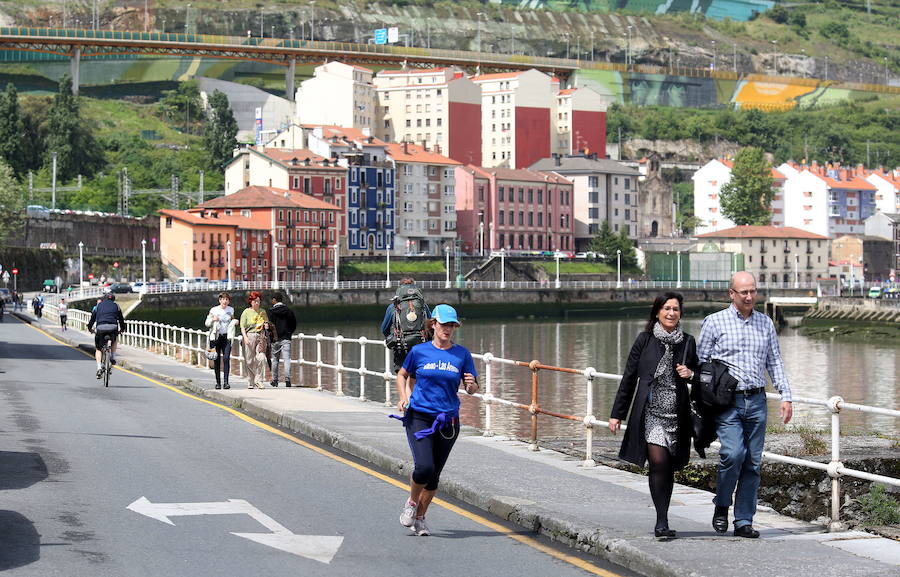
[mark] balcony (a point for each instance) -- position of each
(323, 226)
(323, 243)
(763, 249)
(245, 253)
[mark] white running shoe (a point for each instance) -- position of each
(420, 528)
(408, 515)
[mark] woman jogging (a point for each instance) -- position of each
(427, 385)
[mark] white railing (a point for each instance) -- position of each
(189, 345)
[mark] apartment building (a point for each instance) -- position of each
(580, 122)
(513, 209)
(603, 190)
(827, 200)
(518, 112)
(196, 243)
(338, 94)
(371, 181)
(887, 184)
(295, 234)
(775, 254)
(437, 108)
(708, 183)
(425, 219)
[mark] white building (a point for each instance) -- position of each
(580, 122)
(826, 200)
(437, 108)
(708, 183)
(338, 94)
(518, 117)
(425, 218)
(775, 254)
(887, 183)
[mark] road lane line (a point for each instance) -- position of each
(474, 517)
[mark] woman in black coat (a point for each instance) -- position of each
(659, 366)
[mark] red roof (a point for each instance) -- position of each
(412, 71)
(496, 76)
(408, 152)
(268, 197)
(752, 231)
(287, 156)
(195, 218)
(517, 174)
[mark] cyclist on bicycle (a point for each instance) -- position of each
(110, 321)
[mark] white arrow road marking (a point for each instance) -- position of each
(320, 548)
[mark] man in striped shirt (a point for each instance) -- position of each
(745, 340)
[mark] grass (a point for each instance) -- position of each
(574, 267)
(879, 508)
(119, 117)
(398, 267)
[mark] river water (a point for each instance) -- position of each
(863, 373)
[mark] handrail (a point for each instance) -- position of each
(188, 345)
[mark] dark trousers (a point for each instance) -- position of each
(429, 454)
(223, 361)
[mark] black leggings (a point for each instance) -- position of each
(429, 454)
(662, 481)
(223, 347)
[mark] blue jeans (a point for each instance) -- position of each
(281, 352)
(742, 431)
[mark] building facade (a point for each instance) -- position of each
(437, 108)
(425, 219)
(603, 190)
(775, 254)
(515, 210)
(580, 122)
(338, 94)
(708, 183)
(194, 243)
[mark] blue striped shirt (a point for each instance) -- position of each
(748, 346)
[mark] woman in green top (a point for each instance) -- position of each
(253, 323)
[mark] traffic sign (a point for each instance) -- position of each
(381, 36)
(393, 35)
(90, 275)
(116, 264)
(15, 271)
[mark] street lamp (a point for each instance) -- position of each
(447, 266)
(567, 45)
(337, 257)
(185, 261)
(228, 256)
(678, 265)
(81, 266)
(143, 263)
(592, 44)
(274, 264)
(312, 23)
(503, 267)
(618, 268)
(481, 239)
(478, 33)
(556, 254)
(387, 252)
(715, 55)
(826, 68)
(775, 58)
(885, 71)
(796, 271)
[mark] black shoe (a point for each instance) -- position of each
(218, 386)
(274, 383)
(112, 361)
(720, 520)
(746, 531)
(226, 386)
(663, 531)
(287, 382)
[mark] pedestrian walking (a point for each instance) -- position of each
(427, 386)
(284, 323)
(658, 415)
(223, 326)
(405, 321)
(254, 322)
(63, 310)
(37, 306)
(746, 342)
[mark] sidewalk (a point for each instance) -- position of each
(603, 511)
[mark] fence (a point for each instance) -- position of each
(188, 345)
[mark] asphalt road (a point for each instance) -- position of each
(74, 456)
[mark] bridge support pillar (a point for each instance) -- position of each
(74, 68)
(289, 80)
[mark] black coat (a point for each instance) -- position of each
(643, 359)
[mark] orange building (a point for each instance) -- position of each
(259, 219)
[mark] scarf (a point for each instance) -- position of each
(665, 370)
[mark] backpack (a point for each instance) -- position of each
(409, 316)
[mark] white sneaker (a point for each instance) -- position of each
(420, 528)
(408, 515)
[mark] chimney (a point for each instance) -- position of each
(405, 147)
(557, 160)
(437, 148)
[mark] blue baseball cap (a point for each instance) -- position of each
(444, 314)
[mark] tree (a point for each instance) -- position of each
(747, 197)
(12, 130)
(606, 243)
(182, 104)
(11, 201)
(69, 137)
(219, 131)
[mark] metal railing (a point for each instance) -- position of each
(188, 345)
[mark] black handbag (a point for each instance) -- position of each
(696, 417)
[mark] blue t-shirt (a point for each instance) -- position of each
(437, 373)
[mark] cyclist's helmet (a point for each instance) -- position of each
(111, 296)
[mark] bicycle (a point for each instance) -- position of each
(106, 360)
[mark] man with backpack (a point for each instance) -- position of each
(404, 324)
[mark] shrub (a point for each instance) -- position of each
(879, 508)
